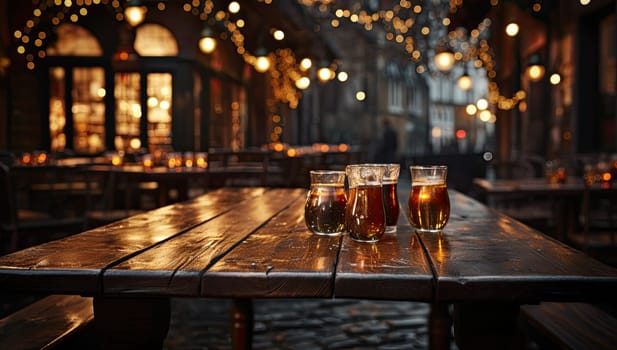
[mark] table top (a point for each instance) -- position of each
(253, 243)
(539, 185)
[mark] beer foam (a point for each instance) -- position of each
(327, 184)
(428, 181)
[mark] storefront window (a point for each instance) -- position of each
(159, 99)
(87, 86)
(151, 40)
(128, 111)
(88, 110)
(142, 100)
(57, 109)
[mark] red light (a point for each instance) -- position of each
(461, 134)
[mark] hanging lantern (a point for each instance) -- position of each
(535, 68)
(207, 43)
(464, 81)
(444, 60)
(262, 63)
(135, 12)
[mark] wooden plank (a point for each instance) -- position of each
(175, 266)
(46, 322)
(572, 325)
(465, 208)
(281, 259)
(395, 268)
(499, 258)
(74, 264)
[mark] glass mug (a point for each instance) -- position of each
(429, 203)
(390, 197)
(324, 210)
(365, 214)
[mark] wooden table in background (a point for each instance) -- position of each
(179, 178)
(247, 243)
(570, 202)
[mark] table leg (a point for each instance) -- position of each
(439, 324)
(180, 185)
(183, 189)
(242, 324)
(163, 194)
(487, 326)
(131, 323)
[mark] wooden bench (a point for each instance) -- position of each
(570, 326)
(46, 323)
(26, 225)
(240, 168)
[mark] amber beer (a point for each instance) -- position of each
(366, 214)
(324, 211)
(390, 196)
(429, 206)
(390, 204)
(349, 207)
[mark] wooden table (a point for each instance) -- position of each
(567, 200)
(166, 179)
(537, 185)
(246, 243)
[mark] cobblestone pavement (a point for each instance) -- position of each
(303, 324)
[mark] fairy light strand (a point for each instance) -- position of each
(403, 24)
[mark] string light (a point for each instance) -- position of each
(403, 23)
(342, 76)
(278, 34)
(303, 83)
(306, 64)
(324, 73)
(512, 29)
(234, 7)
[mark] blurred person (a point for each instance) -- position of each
(388, 144)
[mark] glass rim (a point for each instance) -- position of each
(428, 167)
(356, 165)
(327, 172)
(375, 164)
